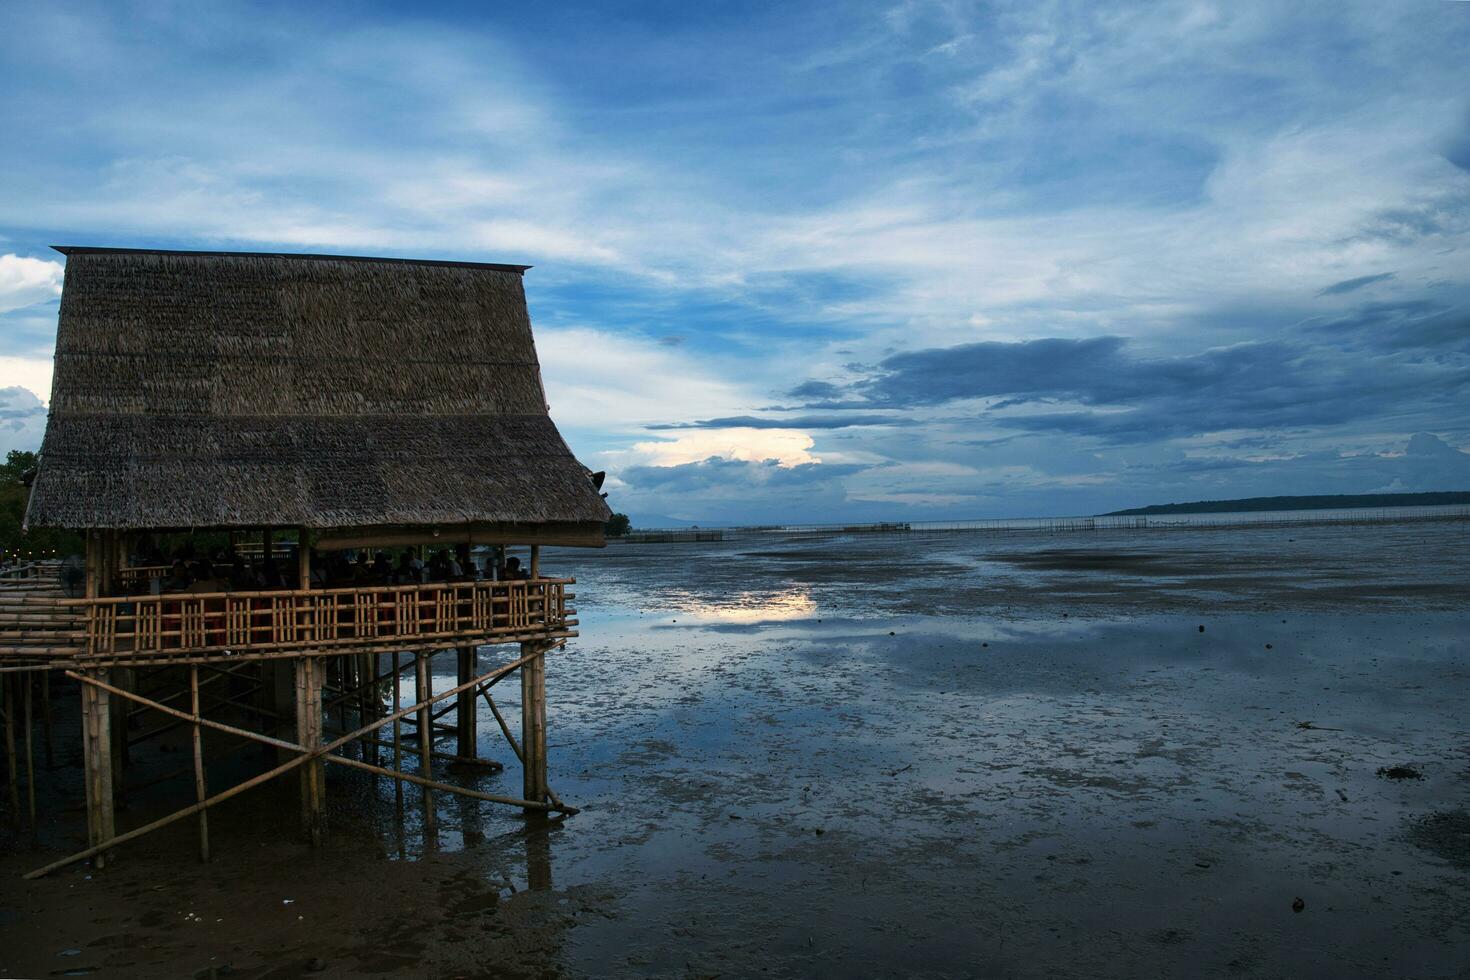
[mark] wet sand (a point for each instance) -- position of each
(950, 756)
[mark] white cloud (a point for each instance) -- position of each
(789, 447)
(22, 418)
(26, 281)
(599, 380)
(33, 374)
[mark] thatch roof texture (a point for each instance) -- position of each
(244, 390)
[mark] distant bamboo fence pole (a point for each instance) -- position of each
(423, 692)
(200, 790)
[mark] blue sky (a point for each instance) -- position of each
(816, 262)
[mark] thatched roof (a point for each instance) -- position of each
(211, 389)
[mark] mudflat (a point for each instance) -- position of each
(957, 755)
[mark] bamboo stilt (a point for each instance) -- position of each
(516, 748)
(309, 733)
(533, 722)
(97, 766)
(423, 692)
(200, 790)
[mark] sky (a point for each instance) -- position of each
(814, 262)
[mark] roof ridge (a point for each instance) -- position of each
(310, 256)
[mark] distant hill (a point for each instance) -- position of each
(1317, 502)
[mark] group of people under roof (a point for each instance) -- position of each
(228, 570)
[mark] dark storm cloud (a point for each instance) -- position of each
(816, 391)
(1389, 360)
(1421, 325)
(792, 422)
(1097, 371)
(1348, 285)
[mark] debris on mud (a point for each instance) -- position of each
(1297, 905)
(1400, 772)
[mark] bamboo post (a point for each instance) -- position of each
(97, 765)
(515, 747)
(533, 721)
(309, 733)
(535, 561)
(200, 791)
(464, 710)
(423, 691)
(397, 735)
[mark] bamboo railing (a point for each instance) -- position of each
(390, 617)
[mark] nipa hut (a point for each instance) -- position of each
(303, 407)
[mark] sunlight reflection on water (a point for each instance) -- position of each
(748, 606)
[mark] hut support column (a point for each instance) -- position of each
(533, 721)
(309, 734)
(200, 789)
(464, 711)
(423, 691)
(97, 764)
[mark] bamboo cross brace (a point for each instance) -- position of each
(516, 748)
(307, 755)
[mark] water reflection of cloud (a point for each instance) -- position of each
(747, 606)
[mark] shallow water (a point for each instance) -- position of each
(956, 755)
